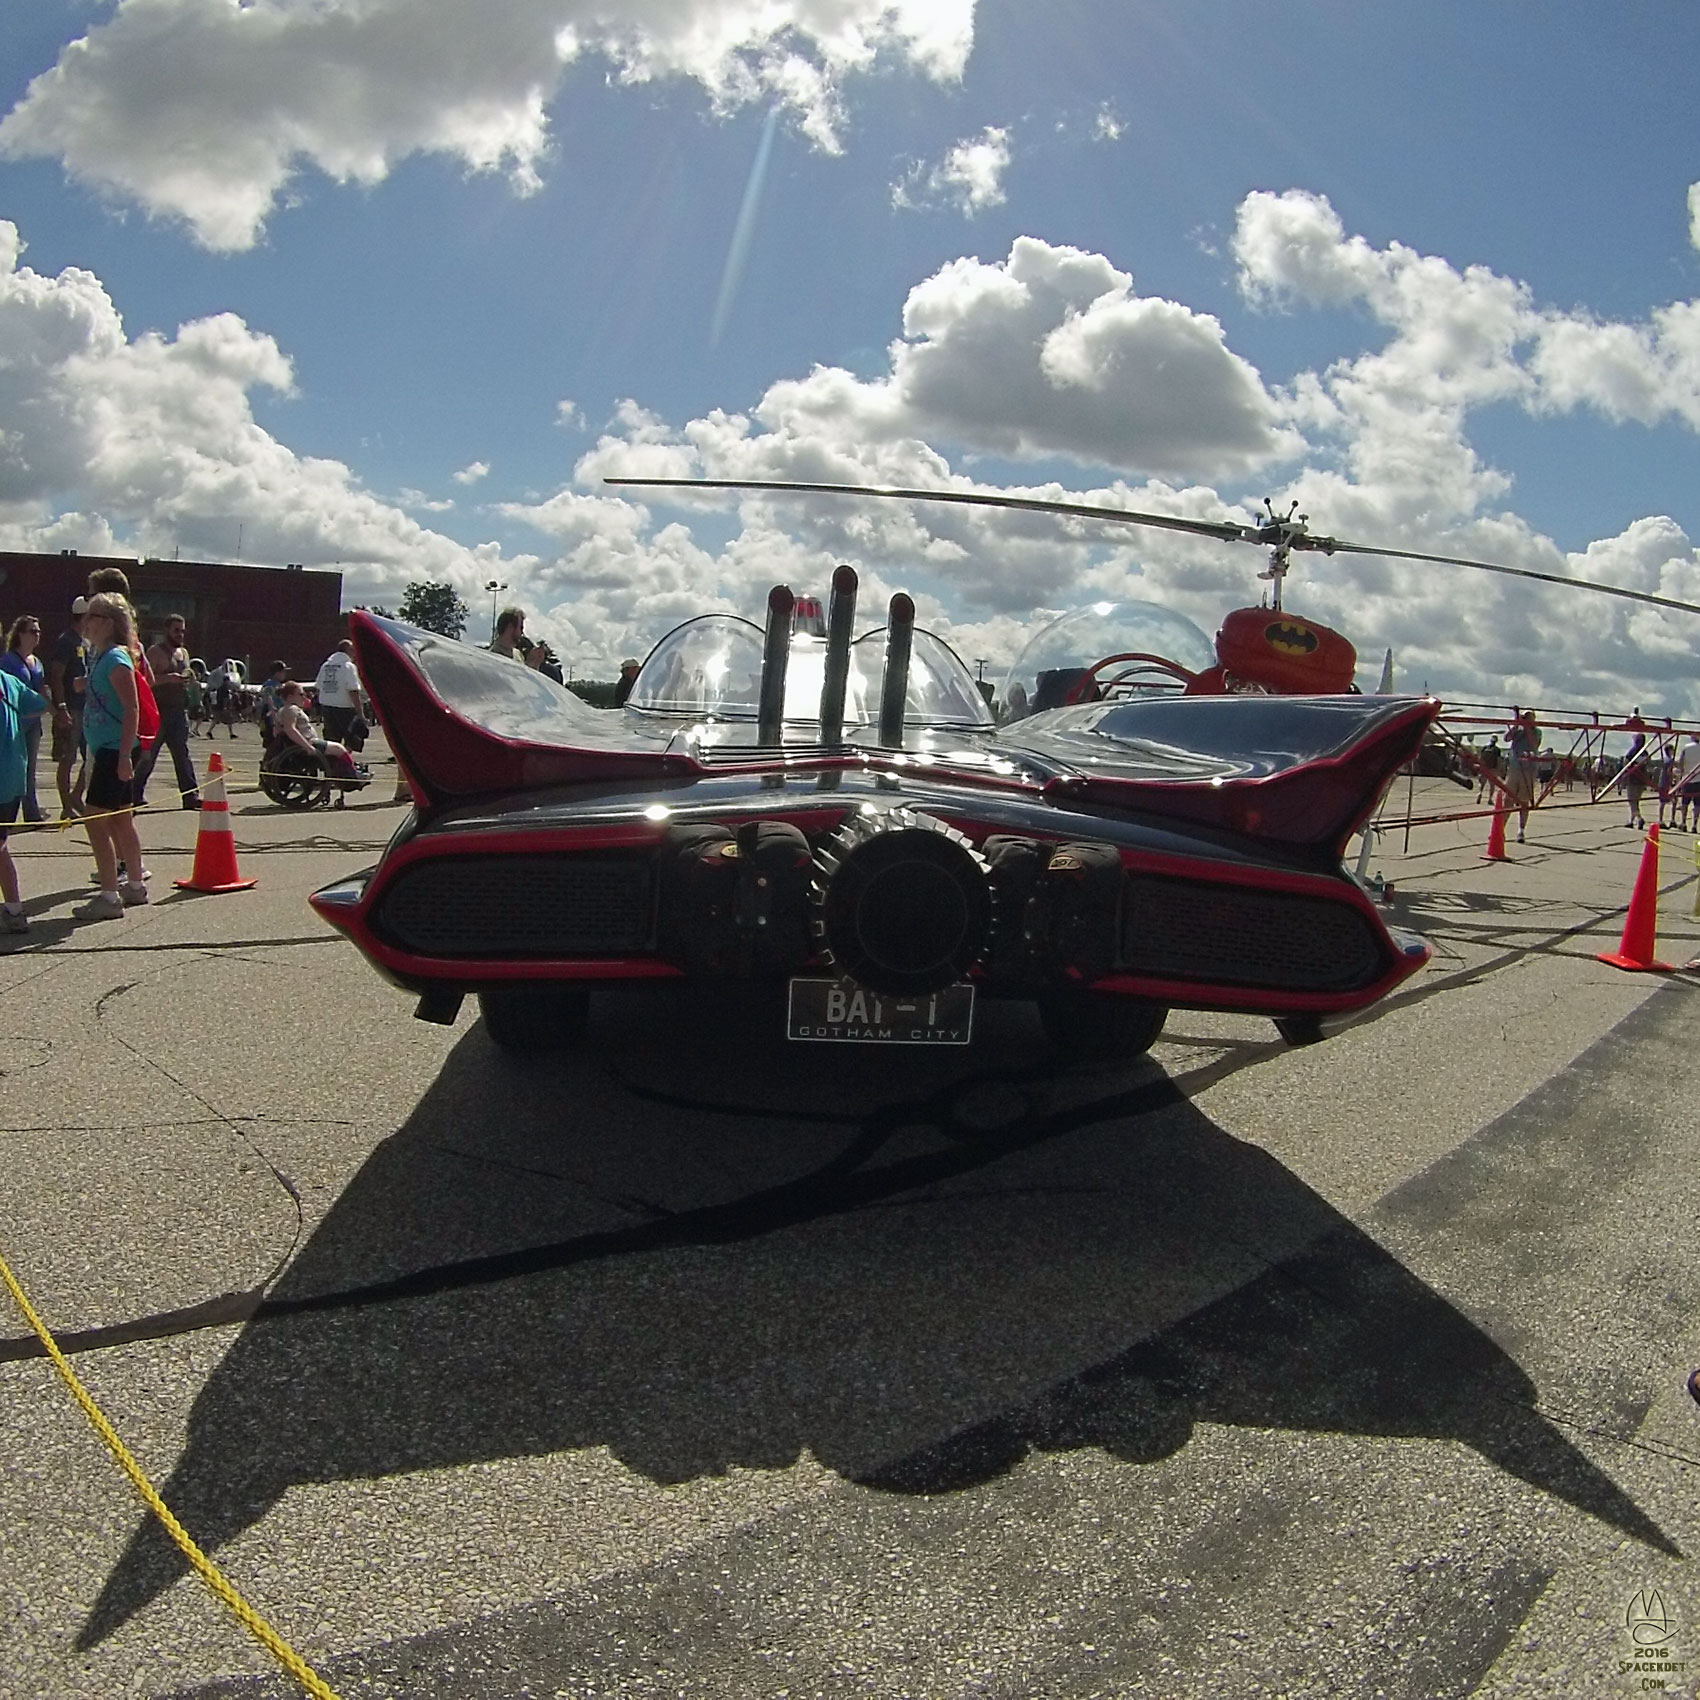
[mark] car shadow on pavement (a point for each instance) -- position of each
(704, 1250)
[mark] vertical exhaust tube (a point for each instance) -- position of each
(840, 623)
(894, 692)
(775, 658)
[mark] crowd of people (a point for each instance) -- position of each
(1669, 767)
(112, 707)
(1664, 763)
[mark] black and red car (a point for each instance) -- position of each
(849, 818)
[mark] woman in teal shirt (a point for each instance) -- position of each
(111, 715)
(20, 709)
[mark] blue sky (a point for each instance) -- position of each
(1428, 269)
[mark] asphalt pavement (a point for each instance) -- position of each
(696, 1363)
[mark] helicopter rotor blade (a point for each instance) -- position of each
(1224, 531)
(1333, 545)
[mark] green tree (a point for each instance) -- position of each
(599, 693)
(435, 607)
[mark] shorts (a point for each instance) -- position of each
(68, 740)
(1691, 791)
(1520, 782)
(106, 791)
(8, 814)
(337, 720)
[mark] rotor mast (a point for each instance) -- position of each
(1282, 532)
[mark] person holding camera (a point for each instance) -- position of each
(510, 640)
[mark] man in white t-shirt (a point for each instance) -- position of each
(1685, 785)
(339, 691)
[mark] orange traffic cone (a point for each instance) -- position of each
(1496, 834)
(215, 843)
(1640, 929)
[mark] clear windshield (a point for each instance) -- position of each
(711, 667)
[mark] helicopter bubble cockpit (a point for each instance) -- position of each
(1106, 649)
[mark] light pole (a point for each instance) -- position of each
(495, 590)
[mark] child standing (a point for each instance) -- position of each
(111, 715)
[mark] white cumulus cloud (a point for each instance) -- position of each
(969, 177)
(1458, 339)
(205, 110)
(1052, 352)
(472, 472)
(153, 438)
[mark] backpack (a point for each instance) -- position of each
(147, 709)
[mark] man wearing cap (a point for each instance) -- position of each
(629, 670)
(67, 679)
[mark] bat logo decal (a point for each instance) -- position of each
(1291, 637)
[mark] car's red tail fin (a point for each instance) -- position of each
(1305, 771)
(466, 722)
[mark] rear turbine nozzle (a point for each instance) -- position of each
(902, 903)
(840, 624)
(775, 658)
(894, 691)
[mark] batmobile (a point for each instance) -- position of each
(847, 818)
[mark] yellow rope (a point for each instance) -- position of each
(303, 1673)
(241, 784)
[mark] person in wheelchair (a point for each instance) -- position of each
(291, 727)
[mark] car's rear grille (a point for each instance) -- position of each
(1233, 935)
(531, 906)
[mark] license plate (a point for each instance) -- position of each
(840, 1012)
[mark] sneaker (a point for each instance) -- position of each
(16, 920)
(103, 906)
(131, 893)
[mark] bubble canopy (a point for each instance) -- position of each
(1056, 660)
(710, 667)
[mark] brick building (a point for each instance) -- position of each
(256, 614)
